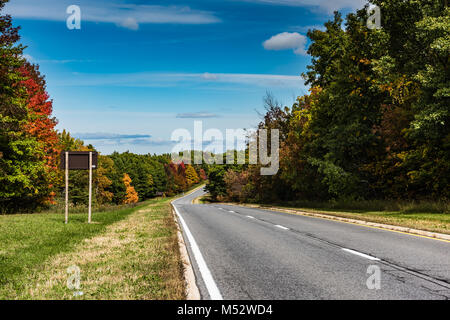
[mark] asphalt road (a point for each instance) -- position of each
(245, 253)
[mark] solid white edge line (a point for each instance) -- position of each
(251, 217)
(211, 286)
(281, 227)
(360, 254)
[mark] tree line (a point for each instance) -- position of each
(375, 124)
(126, 177)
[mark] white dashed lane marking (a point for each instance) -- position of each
(360, 254)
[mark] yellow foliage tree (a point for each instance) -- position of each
(191, 175)
(131, 194)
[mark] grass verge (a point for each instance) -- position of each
(433, 222)
(130, 253)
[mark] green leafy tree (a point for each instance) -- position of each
(376, 123)
(22, 158)
(216, 185)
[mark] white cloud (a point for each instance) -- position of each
(29, 58)
(116, 140)
(209, 76)
(33, 59)
(326, 5)
(148, 79)
(129, 16)
(109, 136)
(130, 23)
(197, 115)
(285, 41)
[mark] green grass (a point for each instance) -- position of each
(428, 216)
(374, 205)
(128, 252)
(29, 241)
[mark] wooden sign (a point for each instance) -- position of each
(79, 160)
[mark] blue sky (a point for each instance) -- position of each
(138, 70)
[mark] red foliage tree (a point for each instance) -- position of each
(176, 173)
(41, 124)
(202, 174)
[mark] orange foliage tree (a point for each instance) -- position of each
(41, 125)
(131, 194)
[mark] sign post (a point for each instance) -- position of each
(90, 188)
(78, 160)
(67, 187)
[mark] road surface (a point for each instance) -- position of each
(244, 253)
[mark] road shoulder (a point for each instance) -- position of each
(191, 289)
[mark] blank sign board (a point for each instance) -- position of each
(79, 160)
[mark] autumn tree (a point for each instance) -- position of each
(237, 183)
(27, 136)
(131, 194)
(41, 126)
(101, 180)
(176, 173)
(191, 175)
(202, 174)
